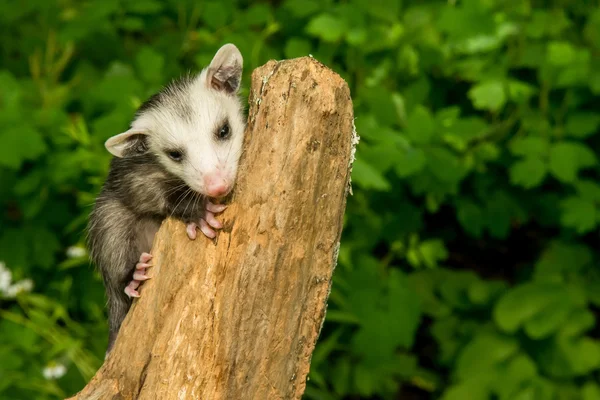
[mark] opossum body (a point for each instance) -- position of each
(182, 150)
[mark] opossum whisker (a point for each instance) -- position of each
(228, 151)
(198, 198)
(176, 188)
(180, 198)
(188, 203)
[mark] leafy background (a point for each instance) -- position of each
(468, 267)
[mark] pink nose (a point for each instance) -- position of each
(216, 186)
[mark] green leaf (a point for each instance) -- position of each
(258, 14)
(387, 10)
(560, 53)
(214, 14)
(525, 301)
(368, 177)
(364, 380)
(488, 96)
(150, 64)
(570, 357)
(21, 337)
(561, 258)
(588, 190)
(470, 216)
(500, 210)
(530, 146)
(144, 6)
(579, 213)
(473, 389)
(578, 323)
(518, 373)
(328, 27)
(528, 173)
(388, 309)
(444, 165)
(19, 144)
(411, 161)
(432, 251)
(420, 126)
(582, 124)
(462, 22)
(567, 158)
(45, 245)
(462, 131)
(551, 22)
(303, 8)
(548, 320)
(133, 24)
(520, 92)
(341, 377)
(483, 353)
(590, 391)
(297, 47)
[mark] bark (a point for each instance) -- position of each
(238, 318)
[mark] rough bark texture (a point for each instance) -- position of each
(239, 318)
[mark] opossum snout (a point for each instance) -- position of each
(216, 185)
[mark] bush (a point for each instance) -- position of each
(467, 268)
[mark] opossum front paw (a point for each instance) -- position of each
(139, 275)
(208, 223)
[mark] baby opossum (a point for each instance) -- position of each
(182, 150)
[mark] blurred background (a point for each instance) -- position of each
(469, 264)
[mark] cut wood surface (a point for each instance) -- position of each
(239, 318)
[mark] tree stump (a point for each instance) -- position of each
(238, 318)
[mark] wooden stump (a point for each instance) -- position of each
(239, 318)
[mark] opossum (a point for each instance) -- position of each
(181, 152)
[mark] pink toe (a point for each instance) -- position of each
(131, 292)
(215, 208)
(191, 230)
(207, 229)
(145, 257)
(142, 265)
(140, 276)
(212, 221)
(134, 284)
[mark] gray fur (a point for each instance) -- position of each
(144, 185)
(137, 196)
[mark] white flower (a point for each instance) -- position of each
(76, 252)
(5, 277)
(54, 371)
(22, 286)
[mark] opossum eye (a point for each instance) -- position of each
(175, 155)
(224, 132)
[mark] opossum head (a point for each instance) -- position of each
(194, 126)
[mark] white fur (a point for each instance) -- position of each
(188, 117)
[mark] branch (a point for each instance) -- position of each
(239, 319)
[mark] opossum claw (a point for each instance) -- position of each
(139, 275)
(207, 230)
(145, 257)
(212, 221)
(208, 223)
(130, 291)
(191, 230)
(215, 208)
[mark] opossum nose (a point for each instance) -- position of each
(216, 186)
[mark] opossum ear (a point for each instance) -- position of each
(131, 142)
(225, 70)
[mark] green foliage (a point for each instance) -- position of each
(467, 268)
